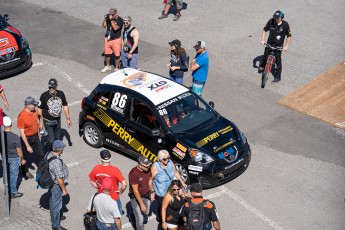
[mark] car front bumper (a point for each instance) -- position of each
(220, 174)
(19, 63)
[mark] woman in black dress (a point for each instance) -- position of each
(171, 206)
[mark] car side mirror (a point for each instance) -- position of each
(211, 103)
(6, 17)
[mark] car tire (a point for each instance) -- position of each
(183, 172)
(92, 135)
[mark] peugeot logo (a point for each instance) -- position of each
(3, 42)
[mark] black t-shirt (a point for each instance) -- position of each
(209, 207)
(181, 62)
(111, 33)
(52, 105)
(277, 32)
(12, 143)
(173, 211)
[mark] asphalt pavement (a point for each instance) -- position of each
(296, 179)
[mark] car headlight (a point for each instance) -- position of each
(200, 157)
(24, 42)
(243, 137)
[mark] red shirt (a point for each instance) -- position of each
(99, 172)
(28, 122)
(141, 179)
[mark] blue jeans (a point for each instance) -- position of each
(103, 226)
(133, 62)
(177, 79)
(13, 163)
(55, 205)
(52, 130)
(139, 216)
(119, 205)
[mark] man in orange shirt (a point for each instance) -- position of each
(29, 134)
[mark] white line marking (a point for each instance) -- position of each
(37, 64)
(69, 78)
(70, 165)
(74, 103)
(250, 208)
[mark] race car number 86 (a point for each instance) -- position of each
(119, 100)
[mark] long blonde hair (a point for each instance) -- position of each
(170, 189)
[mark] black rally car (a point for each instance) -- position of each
(140, 113)
(15, 54)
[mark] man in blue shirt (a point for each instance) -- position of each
(199, 66)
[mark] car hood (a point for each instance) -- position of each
(214, 137)
(9, 38)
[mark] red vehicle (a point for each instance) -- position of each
(15, 54)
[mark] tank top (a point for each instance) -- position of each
(128, 41)
(173, 211)
(163, 178)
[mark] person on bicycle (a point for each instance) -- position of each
(279, 29)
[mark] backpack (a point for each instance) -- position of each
(197, 217)
(43, 177)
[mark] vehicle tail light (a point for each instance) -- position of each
(82, 102)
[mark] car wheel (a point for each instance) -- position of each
(183, 172)
(92, 135)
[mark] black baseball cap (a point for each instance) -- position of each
(105, 155)
(143, 160)
(196, 187)
(53, 83)
(175, 42)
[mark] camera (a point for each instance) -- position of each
(106, 16)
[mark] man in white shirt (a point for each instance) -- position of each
(108, 215)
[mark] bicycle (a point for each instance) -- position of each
(271, 59)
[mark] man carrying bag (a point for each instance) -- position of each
(107, 212)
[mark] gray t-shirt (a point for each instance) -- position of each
(12, 143)
(105, 207)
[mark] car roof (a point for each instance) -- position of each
(156, 88)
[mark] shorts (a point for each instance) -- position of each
(172, 225)
(197, 87)
(112, 46)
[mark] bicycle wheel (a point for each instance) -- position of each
(266, 73)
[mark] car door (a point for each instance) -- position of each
(113, 106)
(145, 126)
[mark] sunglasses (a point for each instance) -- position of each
(176, 189)
(164, 159)
(148, 166)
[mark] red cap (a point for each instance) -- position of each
(107, 183)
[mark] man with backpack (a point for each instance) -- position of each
(198, 213)
(59, 175)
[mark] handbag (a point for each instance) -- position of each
(90, 218)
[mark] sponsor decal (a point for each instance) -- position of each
(3, 42)
(193, 173)
(114, 143)
(226, 153)
(134, 80)
(104, 99)
(216, 149)
(119, 102)
(227, 167)
(124, 135)
(195, 168)
(178, 153)
(8, 50)
(178, 145)
(101, 106)
(213, 136)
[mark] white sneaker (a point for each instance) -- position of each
(116, 70)
(105, 69)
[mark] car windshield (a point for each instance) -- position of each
(2, 23)
(185, 112)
